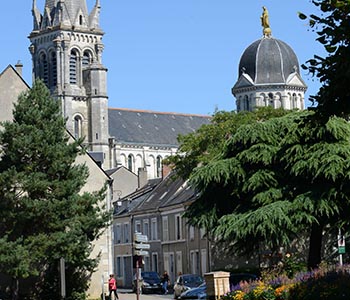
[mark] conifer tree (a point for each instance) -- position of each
(44, 216)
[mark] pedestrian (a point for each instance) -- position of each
(112, 286)
(165, 282)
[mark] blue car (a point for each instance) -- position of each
(195, 293)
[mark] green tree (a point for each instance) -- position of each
(333, 71)
(43, 214)
(275, 180)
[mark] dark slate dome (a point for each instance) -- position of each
(269, 61)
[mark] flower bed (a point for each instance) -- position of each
(326, 283)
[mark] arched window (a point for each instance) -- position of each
(159, 166)
(130, 162)
(271, 103)
(73, 67)
(295, 101)
(53, 69)
(87, 59)
(78, 127)
(43, 69)
(246, 103)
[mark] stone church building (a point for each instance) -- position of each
(66, 47)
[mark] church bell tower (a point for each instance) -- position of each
(66, 47)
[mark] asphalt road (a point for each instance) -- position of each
(127, 295)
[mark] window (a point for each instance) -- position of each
(202, 233)
(154, 232)
(77, 127)
(159, 166)
(126, 233)
(53, 69)
(147, 266)
(194, 261)
(44, 69)
(165, 228)
(117, 234)
(87, 59)
(73, 67)
(138, 226)
(119, 266)
(178, 262)
(155, 262)
(130, 162)
(191, 233)
(145, 228)
(246, 103)
(80, 20)
(178, 227)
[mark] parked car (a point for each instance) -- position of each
(195, 293)
(186, 282)
(201, 291)
(148, 283)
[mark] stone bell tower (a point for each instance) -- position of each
(66, 47)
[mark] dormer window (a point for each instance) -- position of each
(80, 20)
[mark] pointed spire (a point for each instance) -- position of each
(94, 18)
(36, 16)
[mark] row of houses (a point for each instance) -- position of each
(156, 210)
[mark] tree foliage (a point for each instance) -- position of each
(44, 216)
(274, 180)
(333, 71)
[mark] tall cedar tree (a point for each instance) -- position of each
(44, 216)
(271, 181)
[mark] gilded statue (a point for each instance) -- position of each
(265, 22)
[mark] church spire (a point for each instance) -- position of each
(36, 16)
(64, 12)
(94, 18)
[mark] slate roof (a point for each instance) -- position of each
(132, 201)
(151, 128)
(169, 192)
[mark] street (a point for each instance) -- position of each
(123, 295)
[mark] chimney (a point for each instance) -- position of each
(166, 169)
(142, 177)
(19, 68)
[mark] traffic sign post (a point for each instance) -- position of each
(341, 247)
(140, 246)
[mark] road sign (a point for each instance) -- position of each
(138, 237)
(140, 246)
(141, 252)
(341, 249)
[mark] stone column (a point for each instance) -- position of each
(218, 284)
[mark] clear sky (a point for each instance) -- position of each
(173, 55)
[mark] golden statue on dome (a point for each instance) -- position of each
(265, 23)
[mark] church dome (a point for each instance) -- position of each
(268, 61)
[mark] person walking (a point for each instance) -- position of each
(112, 286)
(165, 282)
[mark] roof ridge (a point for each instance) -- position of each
(159, 112)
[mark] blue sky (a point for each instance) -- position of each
(173, 55)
